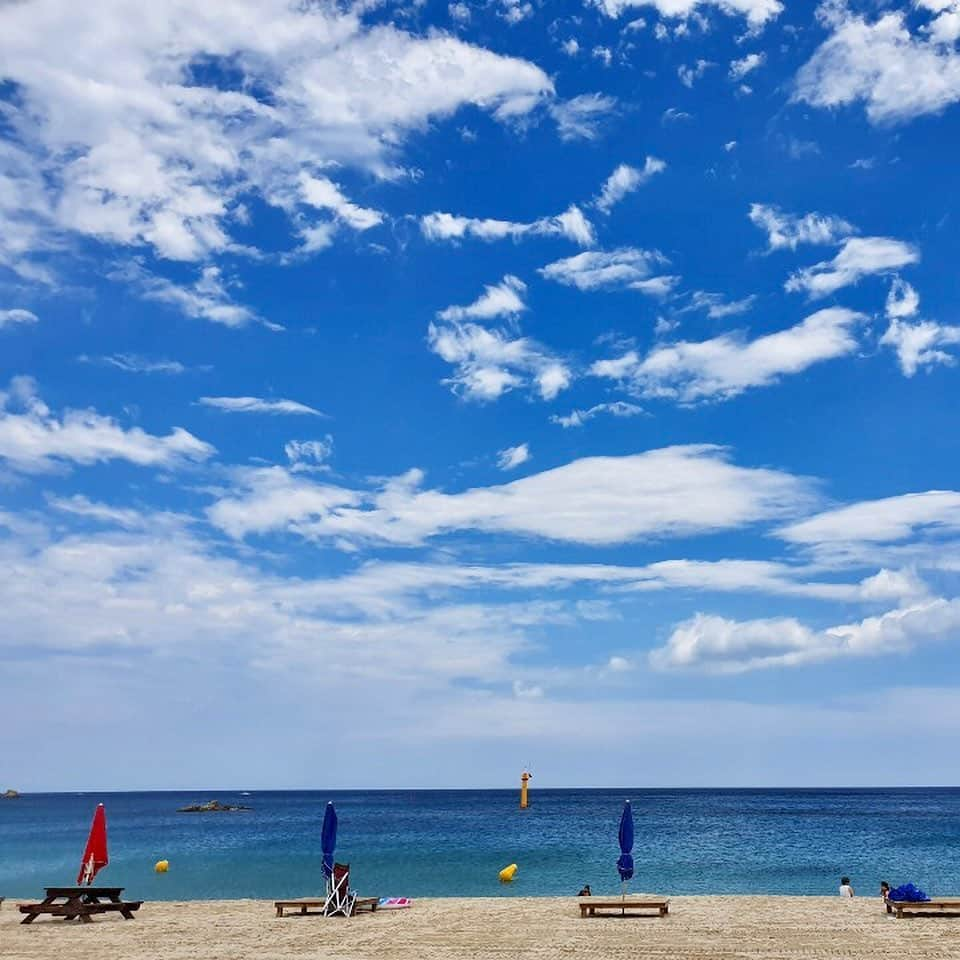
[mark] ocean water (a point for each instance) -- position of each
(453, 843)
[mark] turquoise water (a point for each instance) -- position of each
(453, 843)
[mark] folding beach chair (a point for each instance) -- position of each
(340, 901)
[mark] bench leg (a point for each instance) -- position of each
(29, 918)
(663, 911)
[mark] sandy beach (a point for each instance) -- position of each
(813, 928)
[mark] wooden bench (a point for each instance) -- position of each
(83, 902)
(939, 907)
(635, 907)
(303, 905)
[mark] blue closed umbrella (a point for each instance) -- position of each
(625, 863)
(328, 839)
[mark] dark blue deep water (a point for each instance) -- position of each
(453, 843)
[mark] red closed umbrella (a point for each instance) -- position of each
(95, 853)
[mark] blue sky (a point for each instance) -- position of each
(403, 393)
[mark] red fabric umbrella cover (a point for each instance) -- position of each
(95, 853)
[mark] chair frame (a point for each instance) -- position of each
(340, 900)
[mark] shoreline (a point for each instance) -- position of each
(478, 928)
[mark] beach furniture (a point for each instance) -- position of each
(341, 900)
(306, 906)
(937, 907)
(624, 907)
(82, 902)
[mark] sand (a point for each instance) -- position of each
(813, 928)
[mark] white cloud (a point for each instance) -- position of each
(858, 257)
(902, 300)
(34, 440)
(324, 194)
(512, 457)
(161, 157)
(674, 115)
(577, 418)
(689, 75)
(757, 12)
(581, 117)
(257, 405)
(896, 74)
(133, 363)
(597, 500)
(921, 344)
(728, 365)
(515, 11)
(309, 453)
(17, 317)
(490, 363)
(605, 54)
(717, 307)
(787, 231)
(571, 224)
(879, 521)
(207, 299)
(740, 68)
(570, 47)
(607, 270)
(717, 645)
(624, 180)
(504, 299)
(459, 12)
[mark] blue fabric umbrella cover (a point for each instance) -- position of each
(328, 839)
(625, 863)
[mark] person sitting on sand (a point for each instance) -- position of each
(845, 889)
(585, 892)
(884, 891)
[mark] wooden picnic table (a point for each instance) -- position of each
(82, 902)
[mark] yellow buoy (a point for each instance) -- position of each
(507, 873)
(162, 866)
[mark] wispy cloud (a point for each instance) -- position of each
(133, 363)
(577, 418)
(858, 257)
(512, 457)
(504, 299)
(34, 440)
(788, 231)
(627, 267)
(258, 405)
(162, 156)
(17, 317)
(579, 502)
(624, 180)
(582, 117)
(727, 365)
(207, 299)
(571, 224)
(489, 363)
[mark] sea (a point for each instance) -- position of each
(453, 843)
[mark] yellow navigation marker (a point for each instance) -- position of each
(162, 866)
(506, 874)
(524, 802)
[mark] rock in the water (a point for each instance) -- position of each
(211, 806)
(9, 795)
